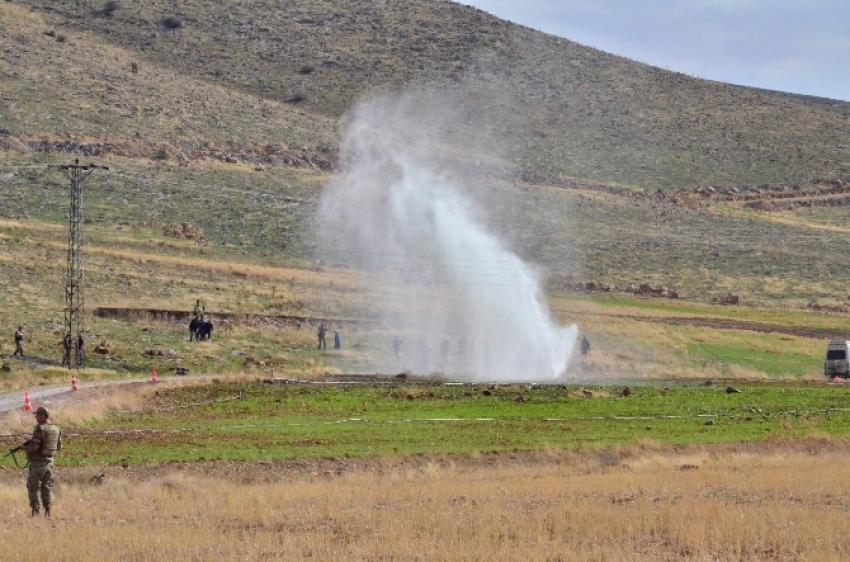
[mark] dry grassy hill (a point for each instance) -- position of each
(252, 71)
(227, 115)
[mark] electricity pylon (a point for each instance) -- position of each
(74, 300)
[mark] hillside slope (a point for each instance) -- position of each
(235, 155)
(60, 86)
(554, 106)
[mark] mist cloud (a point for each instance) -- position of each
(456, 297)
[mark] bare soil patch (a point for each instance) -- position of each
(727, 324)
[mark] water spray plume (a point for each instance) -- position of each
(459, 299)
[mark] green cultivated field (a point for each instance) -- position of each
(289, 422)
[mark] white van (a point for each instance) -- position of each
(836, 362)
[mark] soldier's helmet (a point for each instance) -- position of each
(41, 410)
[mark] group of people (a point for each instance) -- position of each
(200, 328)
(464, 353)
(68, 344)
(322, 334)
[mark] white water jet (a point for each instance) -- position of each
(458, 300)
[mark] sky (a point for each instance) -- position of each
(794, 46)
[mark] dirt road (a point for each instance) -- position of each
(40, 395)
(61, 394)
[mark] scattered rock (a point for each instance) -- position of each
(839, 308)
(728, 298)
(183, 230)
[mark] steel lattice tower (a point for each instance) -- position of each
(74, 300)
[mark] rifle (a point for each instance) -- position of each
(12, 452)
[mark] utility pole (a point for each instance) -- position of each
(74, 272)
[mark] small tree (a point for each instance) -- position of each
(109, 8)
(172, 22)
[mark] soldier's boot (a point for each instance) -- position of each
(34, 509)
(47, 510)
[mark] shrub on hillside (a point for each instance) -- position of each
(172, 22)
(109, 8)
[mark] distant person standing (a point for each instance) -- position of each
(585, 346)
(337, 340)
(461, 352)
(66, 351)
(322, 335)
(80, 351)
(19, 343)
(46, 441)
(423, 357)
(444, 352)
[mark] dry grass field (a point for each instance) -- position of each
(138, 265)
(220, 122)
(735, 502)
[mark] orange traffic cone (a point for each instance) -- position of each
(73, 383)
(27, 403)
(154, 376)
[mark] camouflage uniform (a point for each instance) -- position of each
(19, 343)
(45, 443)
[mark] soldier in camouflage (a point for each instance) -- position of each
(45, 443)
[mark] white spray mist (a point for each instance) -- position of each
(457, 299)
